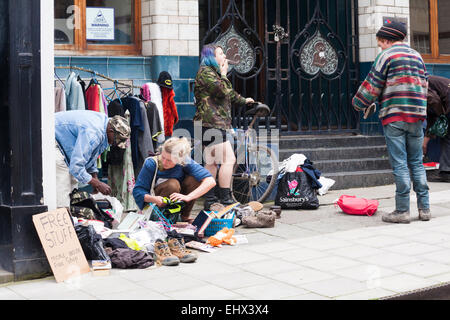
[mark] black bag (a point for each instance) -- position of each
(295, 192)
(91, 243)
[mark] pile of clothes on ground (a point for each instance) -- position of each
(132, 240)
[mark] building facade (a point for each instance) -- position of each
(155, 35)
(304, 58)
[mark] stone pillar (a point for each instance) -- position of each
(21, 194)
(371, 13)
(170, 28)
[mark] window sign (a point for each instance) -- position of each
(99, 23)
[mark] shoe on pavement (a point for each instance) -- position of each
(164, 255)
(178, 249)
(438, 176)
(255, 205)
(424, 214)
(396, 217)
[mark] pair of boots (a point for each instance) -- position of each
(225, 197)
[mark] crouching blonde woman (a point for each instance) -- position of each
(173, 174)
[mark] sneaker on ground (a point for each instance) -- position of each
(396, 217)
(164, 255)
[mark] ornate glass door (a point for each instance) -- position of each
(300, 57)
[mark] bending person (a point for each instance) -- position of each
(214, 97)
(81, 137)
(172, 174)
(438, 104)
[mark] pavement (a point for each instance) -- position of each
(321, 254)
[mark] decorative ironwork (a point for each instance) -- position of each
(304, 65)
(318, 55)
(240, 53)
(279, 33)
(240, 42)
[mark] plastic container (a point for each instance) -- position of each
(218, 224)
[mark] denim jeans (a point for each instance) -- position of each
(404, 144)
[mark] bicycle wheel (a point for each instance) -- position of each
(251, 180)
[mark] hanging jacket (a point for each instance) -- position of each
(60, 99)
(154, 122)
(156, 98)
(74, 93)
(145, 137)
(83, 87)
(132, 104)
(93, 98)
(169, 110)
(145, 92)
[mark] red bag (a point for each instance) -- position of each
(357, 206)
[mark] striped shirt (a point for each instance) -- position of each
(398, 79)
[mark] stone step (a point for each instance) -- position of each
(360, 179)
(316, 154)
(312, 142)
(353, 161)
(349, 165)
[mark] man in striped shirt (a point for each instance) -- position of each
(398, 80)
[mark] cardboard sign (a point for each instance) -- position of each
(61, 244)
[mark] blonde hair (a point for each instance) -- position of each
(178, 148)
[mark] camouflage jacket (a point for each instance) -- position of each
(214, 96)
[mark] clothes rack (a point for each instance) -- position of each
(96, 74)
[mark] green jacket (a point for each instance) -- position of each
(214, 96)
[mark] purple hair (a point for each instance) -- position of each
(208, 56)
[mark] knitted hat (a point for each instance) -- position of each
(394, 31)
(165, 80)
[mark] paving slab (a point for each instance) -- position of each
(310, 255)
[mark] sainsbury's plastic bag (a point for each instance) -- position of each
(296, 192)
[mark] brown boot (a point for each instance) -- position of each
(179, 250)
(163, 254)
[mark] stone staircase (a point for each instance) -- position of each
(353, 161)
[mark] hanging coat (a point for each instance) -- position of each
(156, 98)
(93, 98)
(74, 93)
(169, 110)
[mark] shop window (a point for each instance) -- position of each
(430, 29)
(103, 27)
